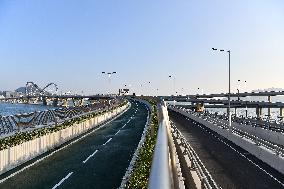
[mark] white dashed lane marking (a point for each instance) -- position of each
(107, 141)
(117, 132)
(90, 156)
(65, 178)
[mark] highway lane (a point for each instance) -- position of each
(230, 166)
(97, 161)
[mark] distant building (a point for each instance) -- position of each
(11, 94)
(123, 92)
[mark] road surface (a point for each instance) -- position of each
(96, 161)
(230, 166)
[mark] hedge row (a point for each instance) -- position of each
(22, 137)
(141, 172)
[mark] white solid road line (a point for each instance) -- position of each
(90, 156)
(65, 178)
(107, 141)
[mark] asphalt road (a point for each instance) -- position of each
(97, 161)
(230, 166)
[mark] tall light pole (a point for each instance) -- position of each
(149, 82)
(141, 85)
(245, 88)
(238, 89)
(246, 102)
(174, 82)
(202, 92)
(229, 94)
(109, 74)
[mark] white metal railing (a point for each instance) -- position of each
(265, 150)
(160, 177)
(165, 170)
(272, 143)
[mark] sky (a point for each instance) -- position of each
(70, 42)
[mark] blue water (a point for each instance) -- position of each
(12, 109)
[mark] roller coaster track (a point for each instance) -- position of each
(42, 91)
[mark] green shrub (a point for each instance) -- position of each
(141, 172)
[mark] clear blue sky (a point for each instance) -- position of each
(71, 42)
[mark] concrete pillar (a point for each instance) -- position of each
(55, 102)
(281, 112)
(236, 112)
(268, 110)
(28, 100)
(82, 102)
(259, 112)
(44, 101)
(74, 102)
(199, 107)
(228, 110)
(65, 102)
(37, 100)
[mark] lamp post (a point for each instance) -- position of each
(174, 82)
(246, 102)
(238, 89)
(245, 89)
(109, 74)
(229, 94)
(202, 92)
(141, 89)
(149, 83)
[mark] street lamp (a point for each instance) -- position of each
(202, 92)
(239, 86)
(109, 74)
(174, 82)
(246, 102)
(238, 89)
(149, 82)
(229, 95)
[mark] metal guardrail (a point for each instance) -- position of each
(168, 166)
(165, 170)
(160, 177)
(221, 122)
(276, 125)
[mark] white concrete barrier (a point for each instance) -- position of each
(17, 155)
(270, 157)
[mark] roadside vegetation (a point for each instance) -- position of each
(141, 172)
